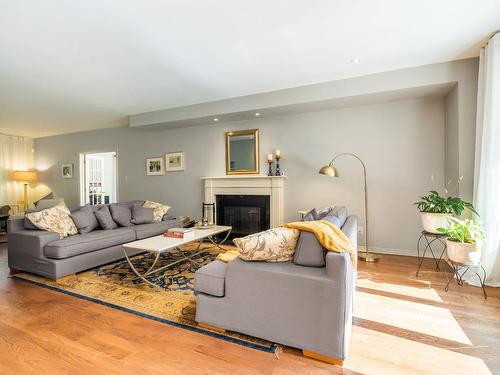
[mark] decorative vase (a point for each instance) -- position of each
(463, 252)
(431, 221)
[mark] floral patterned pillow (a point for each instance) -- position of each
(159, 210)
(273, 245)
(55, 219)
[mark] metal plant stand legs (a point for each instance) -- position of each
(430, 239)
(459, 271)
(185, 257)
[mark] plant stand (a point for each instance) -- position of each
(459, 271)
(429, 240)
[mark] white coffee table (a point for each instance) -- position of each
(161, 244)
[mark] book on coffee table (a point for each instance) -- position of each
(184, 233)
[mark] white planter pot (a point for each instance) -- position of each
(465, 253)
(432, 221)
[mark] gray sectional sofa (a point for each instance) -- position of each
(305, 304)
(44, 253)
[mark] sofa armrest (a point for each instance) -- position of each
(350, 229)
(28, 243)
(15, 224)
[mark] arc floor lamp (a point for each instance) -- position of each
(330, 170)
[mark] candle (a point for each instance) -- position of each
(277, 153)
(269, 157)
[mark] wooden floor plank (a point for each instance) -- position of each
(402, 324)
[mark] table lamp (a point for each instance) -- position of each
(25, 177)
(330, 170)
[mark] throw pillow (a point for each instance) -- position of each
(142, 215)
(55, 219)
(121, 215)
(325, 212)
(309, 251)
(27, 223)
(104, 218)
(273, 245)
(333, 219)
(48, 203)
(311, 215)
(341, 213)
(159, 210)
(85, 220)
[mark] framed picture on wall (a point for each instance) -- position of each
(67, 170)
(154, 166)
(175, 161)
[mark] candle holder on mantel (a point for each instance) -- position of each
(270, 162)
(277, 155)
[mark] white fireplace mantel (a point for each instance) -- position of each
(249, 185)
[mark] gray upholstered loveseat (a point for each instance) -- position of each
(307, 307)
(43, 253)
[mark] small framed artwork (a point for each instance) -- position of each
(175, 161)
(67, 170)
(154, 166)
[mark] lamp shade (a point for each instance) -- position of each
(25, 176)
(329, 170)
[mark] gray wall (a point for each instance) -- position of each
(402, 144)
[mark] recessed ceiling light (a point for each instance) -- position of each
(355, 60)
(216, 119)
(257, 114)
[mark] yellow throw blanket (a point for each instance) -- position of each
(331, 237)
(228, 256)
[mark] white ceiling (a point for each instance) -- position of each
(68, 66)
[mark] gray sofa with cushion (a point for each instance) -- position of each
(305, 304)
(45, 254)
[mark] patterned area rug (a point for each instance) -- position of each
(115, 285)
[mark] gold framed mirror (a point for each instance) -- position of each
(242, 152)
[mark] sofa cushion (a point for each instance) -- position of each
(309, 251)
(210, 279)
(142, 215)
(311, 215)
(85, 243)
(55, 219)
(104, 218)
(341, 213)
(334, 220)
(121, 214)
(272, 245)
(85, 219)
(48, 203)
(159, 210)
(153, 229)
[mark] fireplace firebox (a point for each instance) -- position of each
(247, 214)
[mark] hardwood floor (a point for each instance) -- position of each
(403, 325)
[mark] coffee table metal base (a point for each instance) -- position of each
(185, 257)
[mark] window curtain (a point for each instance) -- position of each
(16, 154)
(487, 159)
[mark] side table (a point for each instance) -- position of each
(431, 239)
(459, 271)
(3, 219)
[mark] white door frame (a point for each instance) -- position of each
(82, 174)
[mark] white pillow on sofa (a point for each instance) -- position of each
(55, 219)
(272, 245)
(159, 210)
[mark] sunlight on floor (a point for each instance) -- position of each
(423, 291)
(415, 317)
(373, 347)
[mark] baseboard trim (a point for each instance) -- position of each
(402, 252)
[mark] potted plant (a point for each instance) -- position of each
(464, 242)
(435, 210)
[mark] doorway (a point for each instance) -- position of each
(98, 178)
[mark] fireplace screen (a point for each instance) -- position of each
(247, 214)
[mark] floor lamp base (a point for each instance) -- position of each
(367, 257)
